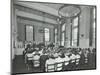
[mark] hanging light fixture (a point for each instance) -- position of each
(69, 11)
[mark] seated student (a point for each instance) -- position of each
(27, 47)
(55, 55)
(72, 57)
(41, 51)
(28, 56)
(80, 52)
(59, 60)
(36, 50)
(48, 51)
(36, 60)
(90, 58)
(67, 53)
(86, 55)
(72, 62)
(77, 56)
(50, 61)
(82, 58)
(43, 59)
(67, 58)
(62, 57)
(44, 51)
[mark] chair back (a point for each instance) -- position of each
(86, 60)
(29, 56)
(51, 67)
(72, 61)
(77, 61)
(36, 60)
(59, 66)
(36, 63)
(66, 63)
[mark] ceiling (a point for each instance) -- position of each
(49, 8)
(53, 5)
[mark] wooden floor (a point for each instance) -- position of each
(18, 67)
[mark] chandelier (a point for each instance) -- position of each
(68, 11)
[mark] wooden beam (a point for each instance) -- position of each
(37, 17)
(31, 19)
(39, 6)
(34, 11)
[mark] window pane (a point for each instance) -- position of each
(29, 33)
(74, 42)
(63, 35)
(62, 43)
(56, 31)
(47, 37)
(63, 27)
(74, 37)
(75, 22)
(75, 31)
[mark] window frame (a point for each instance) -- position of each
(26, 32)
(44, 35)
(72, 30)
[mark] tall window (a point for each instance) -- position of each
(47, 34)
(75, 31)
(29, 33)
(63, 35)
(56, 35)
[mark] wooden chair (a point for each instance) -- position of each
(28, 57)
(77, 64)
(59, 66)
(86, 60)
(72, 64)
(36, 63)
(66, 65)
(50, 67)
(73, 61)
(28, 60)
(77, 61)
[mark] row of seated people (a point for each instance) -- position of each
(31, 47)
(84, 58)
(45, 57)
(57, 61)
(40, 54)
(45, 60)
